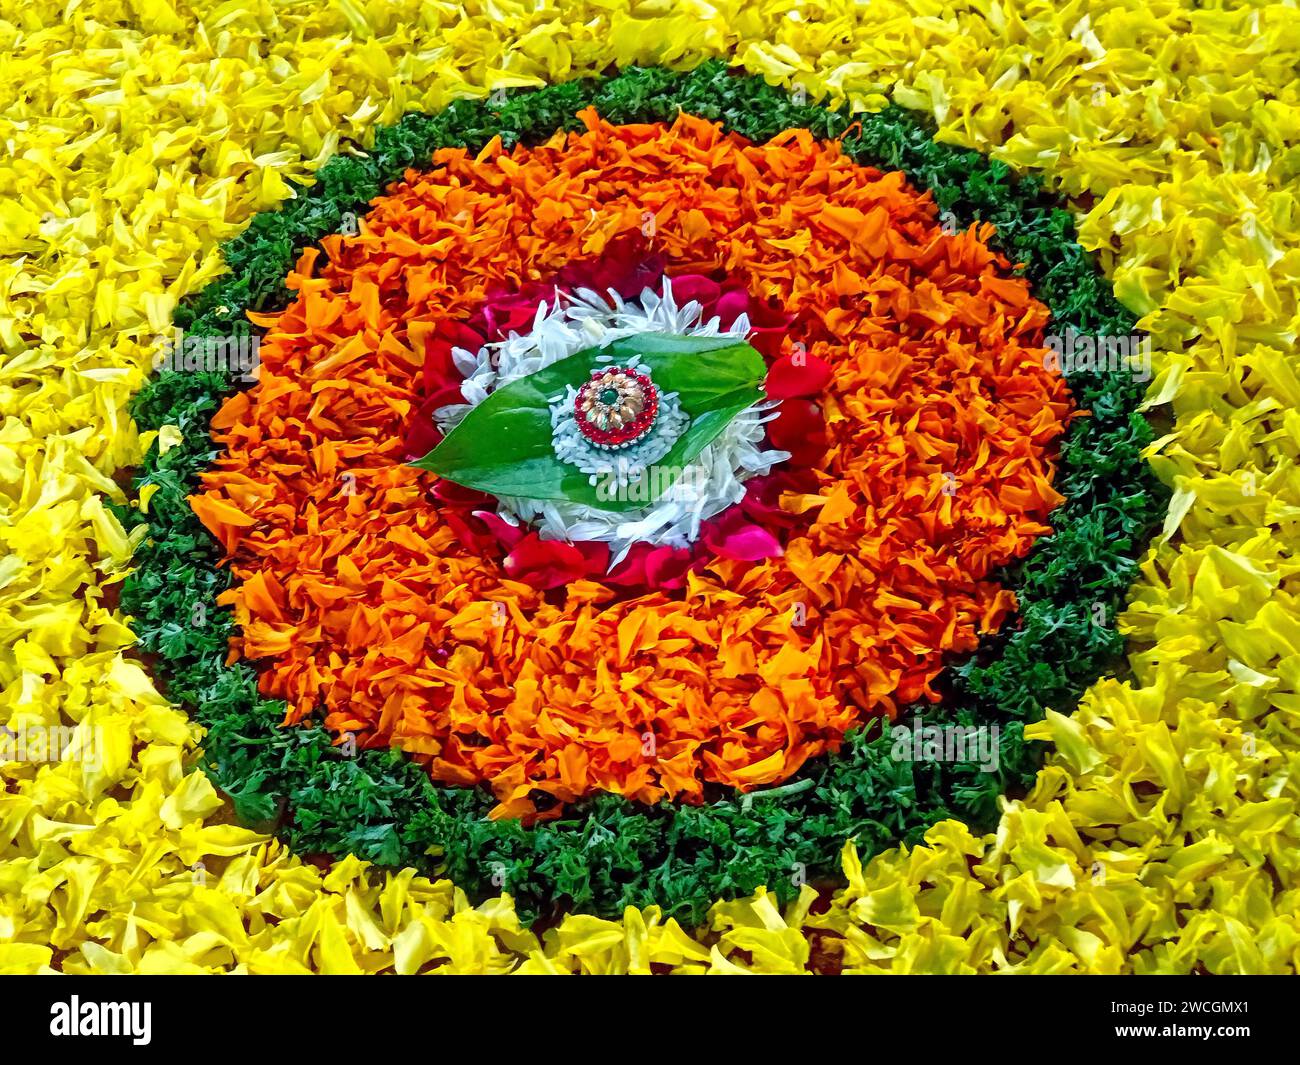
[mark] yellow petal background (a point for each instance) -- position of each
(1161, 837)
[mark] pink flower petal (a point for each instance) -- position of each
(687, 287)
(732, 537)
(730, 306)
(509, 535)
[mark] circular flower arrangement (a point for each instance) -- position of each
(646, 448)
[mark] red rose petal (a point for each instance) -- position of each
(545, 563)
(762, 501)
(799, 374)
(799, 429)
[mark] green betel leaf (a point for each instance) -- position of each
(503, 446)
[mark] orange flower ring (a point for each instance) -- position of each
(920, 409)
(939, 417)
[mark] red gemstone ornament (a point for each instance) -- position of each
(616, 408)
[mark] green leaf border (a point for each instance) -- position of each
(607, 853)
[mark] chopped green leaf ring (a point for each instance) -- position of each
(607, 853)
